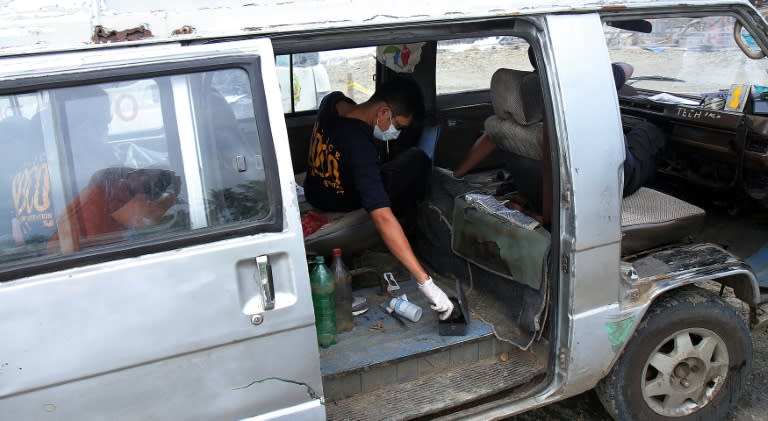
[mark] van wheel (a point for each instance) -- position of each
(689, 359)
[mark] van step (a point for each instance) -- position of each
(438, 391)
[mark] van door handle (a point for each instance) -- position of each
(264, 280)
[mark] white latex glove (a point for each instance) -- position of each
(435, 295)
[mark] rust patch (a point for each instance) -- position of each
(102, 35)
(184, 30)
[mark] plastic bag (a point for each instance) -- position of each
(311, 222)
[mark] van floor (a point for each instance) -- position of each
(385, 369)
(379, 337)
(734, 222)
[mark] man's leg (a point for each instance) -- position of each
(643, 143)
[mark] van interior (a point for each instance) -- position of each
(485, 238)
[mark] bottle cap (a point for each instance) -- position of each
(337, 252)
(319, 259)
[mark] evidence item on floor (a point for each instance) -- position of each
(456, 324)
(392, 285)
(405, 308)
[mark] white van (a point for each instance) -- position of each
(152, 258)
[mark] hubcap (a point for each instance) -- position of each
(685, 372)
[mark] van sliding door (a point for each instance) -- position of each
(151, 254)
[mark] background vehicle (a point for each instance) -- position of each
(303, 81)
(206, 311)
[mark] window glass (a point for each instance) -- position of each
(316, 74)
(127, 161)
(468, 64)
(692, 56)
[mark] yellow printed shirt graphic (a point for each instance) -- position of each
(343, 172)
(33, 207)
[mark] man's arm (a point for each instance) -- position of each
(392, 233)
(394, 237)
(482, 147)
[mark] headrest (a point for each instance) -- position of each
(516, 95)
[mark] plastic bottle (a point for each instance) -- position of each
(405, 308)
(342, 292)
(321, 281)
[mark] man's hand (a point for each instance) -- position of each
(440, 301)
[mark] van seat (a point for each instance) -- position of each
(353, 232)
(650, 219)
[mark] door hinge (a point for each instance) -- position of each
(563, 358)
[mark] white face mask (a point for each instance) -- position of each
(386, 135)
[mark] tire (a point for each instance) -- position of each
(650, 381)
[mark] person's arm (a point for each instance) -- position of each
(394, 238)
(482, 148)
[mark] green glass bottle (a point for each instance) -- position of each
(321, 281)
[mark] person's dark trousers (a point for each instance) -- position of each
(405, 179)
(642, 143)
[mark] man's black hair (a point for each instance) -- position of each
(403, 95)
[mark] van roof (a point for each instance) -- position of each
(35, 25)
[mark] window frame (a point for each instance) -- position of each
(251, 64)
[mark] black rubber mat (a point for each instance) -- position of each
(436, 392)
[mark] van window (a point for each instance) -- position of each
(690, 56)
(123, 162)
(315, 74)
(468, 64)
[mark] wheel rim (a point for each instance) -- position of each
(685, 372)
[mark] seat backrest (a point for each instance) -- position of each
(516, 125)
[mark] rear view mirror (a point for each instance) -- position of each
(635, 25)
(746, 42)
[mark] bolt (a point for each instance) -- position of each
(684, 382)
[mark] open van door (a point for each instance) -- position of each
(151, 254)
